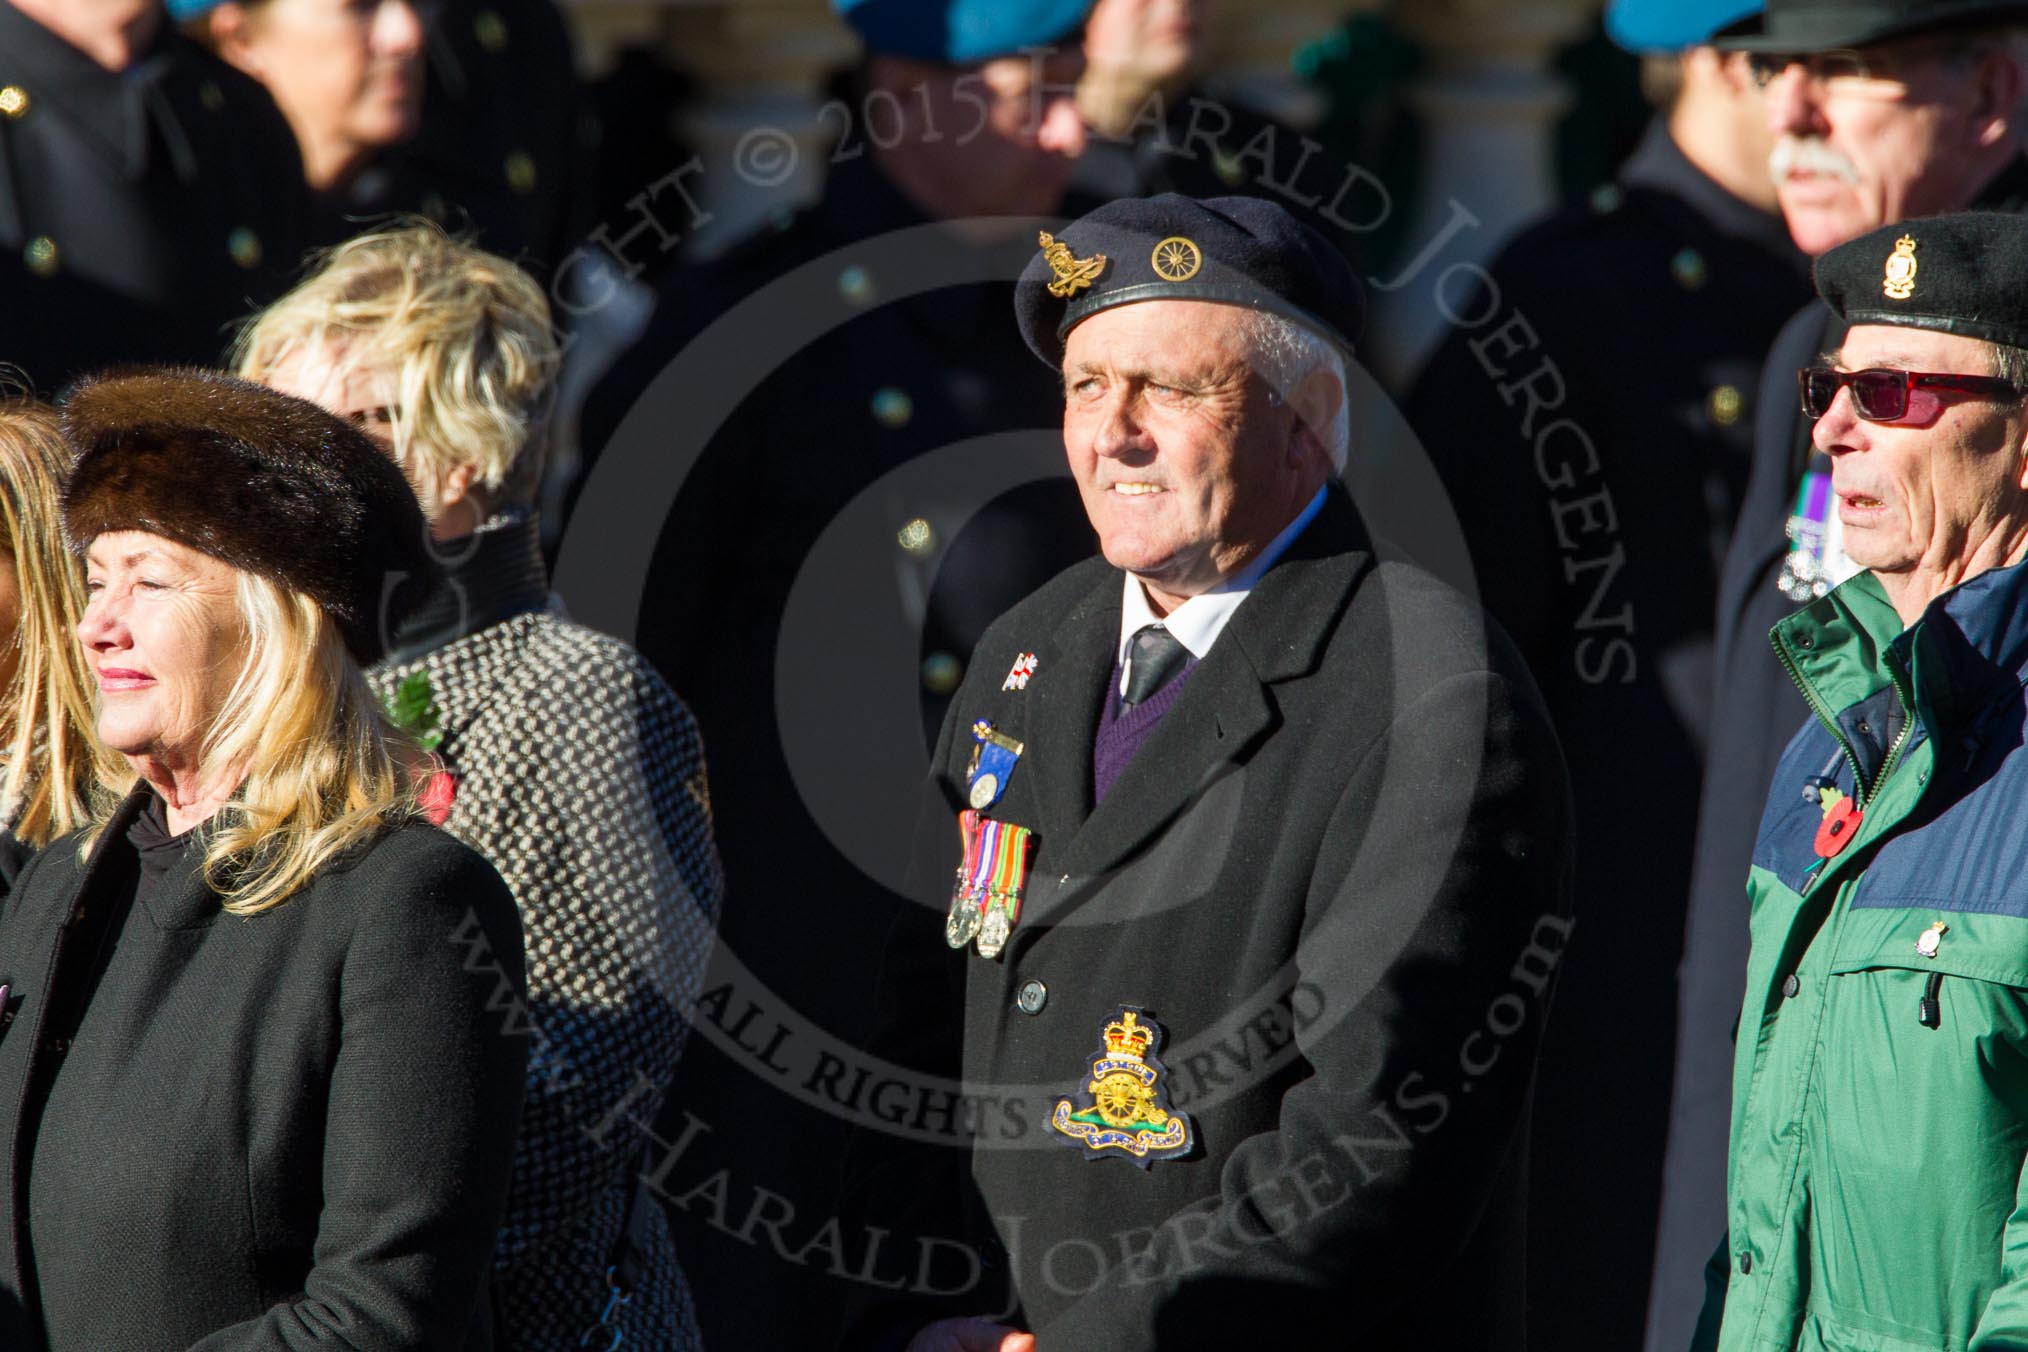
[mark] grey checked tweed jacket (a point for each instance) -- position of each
(580, 776)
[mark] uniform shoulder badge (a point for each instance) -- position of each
(1017, 676)
(1899, 284)
(1073, 274)
(1129, 1113)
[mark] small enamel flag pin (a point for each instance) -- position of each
(1017, 677)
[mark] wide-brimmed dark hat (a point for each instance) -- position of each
(269, 483)
(1832, 25)
(1242, 251)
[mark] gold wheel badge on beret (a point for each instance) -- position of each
(1072, 274)
(1899, 284)
(1176, 259)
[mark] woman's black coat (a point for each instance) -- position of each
(292, 1130)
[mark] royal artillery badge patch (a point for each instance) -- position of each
(1129, 1113)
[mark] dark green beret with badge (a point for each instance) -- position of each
(1966, 273)
(1234, 250)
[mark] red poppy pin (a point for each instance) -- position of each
(1840, 824)
(439, 791)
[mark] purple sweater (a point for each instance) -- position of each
(1121, 731)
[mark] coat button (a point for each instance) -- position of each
(244, 246)
(1791, 986)
(855, 284)
(1034, 995)
(13, 102)
(1745, 1262)
(1725, 404)
(892, 408)
(942, 673)
(917, 538)
(519, 168)
(1689, 270)
(41, 256)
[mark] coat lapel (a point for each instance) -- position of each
(1062, 705)
(1279, 632)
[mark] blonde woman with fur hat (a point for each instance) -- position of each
(260, 1065)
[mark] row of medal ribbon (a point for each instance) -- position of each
(986, 900)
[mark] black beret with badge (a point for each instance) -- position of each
(1241, 251)
(1965, 273)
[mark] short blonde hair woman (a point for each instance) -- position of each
(577, 771)
(259, 1073)
(49, 762)
(441, 351)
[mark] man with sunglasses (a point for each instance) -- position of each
(1880, 1105)
(1884, 110)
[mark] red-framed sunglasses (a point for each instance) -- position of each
(1881, 393)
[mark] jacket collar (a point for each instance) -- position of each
(1659, 165)
(1968, 648)
(1278, 635)
(491, 576)
(182, 900)
(2006, 190)
(118, 108)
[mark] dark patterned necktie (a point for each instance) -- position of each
(1154, 656)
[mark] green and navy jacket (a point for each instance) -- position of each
(1876, 1200)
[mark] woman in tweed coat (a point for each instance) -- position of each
(568, 762)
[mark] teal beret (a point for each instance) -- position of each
(959, 32)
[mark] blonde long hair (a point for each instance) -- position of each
(52, 760)
(321, 770)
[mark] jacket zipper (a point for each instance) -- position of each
(1907, 700)
(1820, 709)
(1861, 793)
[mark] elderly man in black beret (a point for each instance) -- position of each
(1264, 850)
(1880, 1093)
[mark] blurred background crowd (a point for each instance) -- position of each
(1567, 220)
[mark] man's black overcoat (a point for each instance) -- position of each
(1337, 876)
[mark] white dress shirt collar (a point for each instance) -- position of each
(1199, 621)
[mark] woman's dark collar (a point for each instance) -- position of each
(486, 578)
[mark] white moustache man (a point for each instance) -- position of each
(1885, 110)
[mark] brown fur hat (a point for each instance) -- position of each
(269, 483)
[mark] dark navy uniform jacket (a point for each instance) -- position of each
(142, 213)
(1760, 715)
(1592, 427)
(502, 137)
